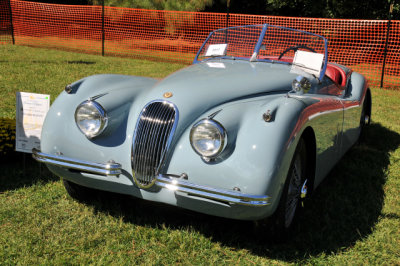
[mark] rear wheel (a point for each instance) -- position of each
(365, 118)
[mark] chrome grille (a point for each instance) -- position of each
(152, 137)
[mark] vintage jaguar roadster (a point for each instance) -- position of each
(246, 132)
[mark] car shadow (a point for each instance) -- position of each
(19, 169)
(344, 209)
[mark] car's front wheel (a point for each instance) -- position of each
(294, 191)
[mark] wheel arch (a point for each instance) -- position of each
(309, 138)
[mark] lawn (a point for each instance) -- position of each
(353, 218)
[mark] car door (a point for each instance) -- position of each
(327, 123)
(351, 118)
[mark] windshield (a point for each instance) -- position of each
(262, 43)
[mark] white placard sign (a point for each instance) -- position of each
(31, 111)
(216, 49)
(308, 62)
(215, 65)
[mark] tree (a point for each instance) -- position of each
(179, 5)
(368, 9)
(355, 9)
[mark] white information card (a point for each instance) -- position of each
(216, 49)
(308, 62)
(31, 111)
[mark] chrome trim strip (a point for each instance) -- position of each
(229, 196)
(107, 169)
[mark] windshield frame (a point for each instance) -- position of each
(257, 47)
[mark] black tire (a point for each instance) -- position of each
(365, 119)
(78, 192)
(282, 223)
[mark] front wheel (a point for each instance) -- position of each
(293, 194)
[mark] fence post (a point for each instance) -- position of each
(227, 20)
(11, 22)
(102, 29)
(228, 3)
(386, 44)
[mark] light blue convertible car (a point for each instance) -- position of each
(246, 132)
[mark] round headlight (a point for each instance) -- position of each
(208, 138)
(91, 118)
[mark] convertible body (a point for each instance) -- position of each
(221, 136)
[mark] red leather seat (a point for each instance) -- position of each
(336, 74)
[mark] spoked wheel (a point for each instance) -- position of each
(294, 191)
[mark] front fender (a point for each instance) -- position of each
(118, 92)
(107, 83)
(258, 154)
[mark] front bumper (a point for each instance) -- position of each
(174, 185)
(230, 196)
(107, 169)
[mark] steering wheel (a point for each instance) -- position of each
(295, 48)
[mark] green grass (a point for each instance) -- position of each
(48, 71)
(178, 50)
(353, 218)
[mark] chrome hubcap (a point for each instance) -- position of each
(366, 119)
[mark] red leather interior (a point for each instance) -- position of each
(336, 74)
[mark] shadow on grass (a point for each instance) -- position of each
(344, 209)
(20, 170)
(81, 62)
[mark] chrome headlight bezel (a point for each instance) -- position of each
(221, 132)
(102, 118)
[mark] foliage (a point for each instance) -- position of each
(63, 2)
(7, 137)
(353, 218)
(371, 9)
(178, 5)
(173, 25)
(368, 9)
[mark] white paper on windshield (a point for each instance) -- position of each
(216, 65)
(216, 49)
(308, 62)
(31, 111)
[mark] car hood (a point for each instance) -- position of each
(200, 87)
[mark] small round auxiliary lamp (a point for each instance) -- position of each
(301, 84)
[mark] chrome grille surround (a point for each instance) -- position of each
(152, 137)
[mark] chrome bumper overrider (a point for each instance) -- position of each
(107, 169)
(229, 196)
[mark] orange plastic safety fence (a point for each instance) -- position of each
(176, 36)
